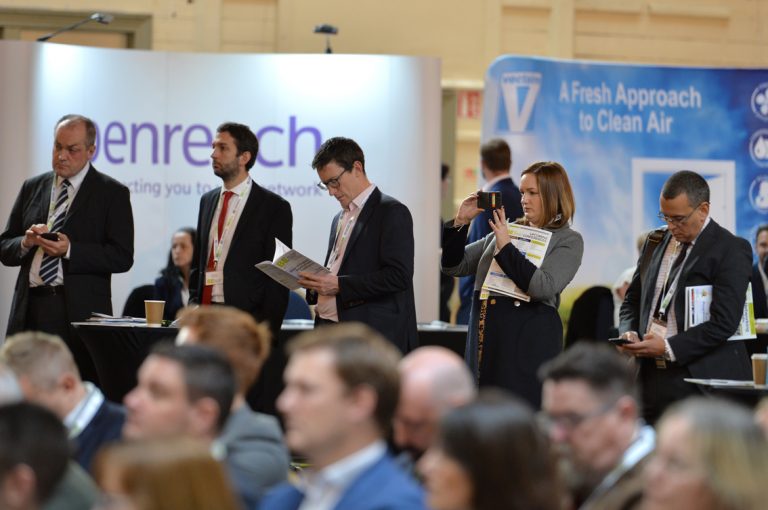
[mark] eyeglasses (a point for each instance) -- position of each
(570, 421)
(677, 220)
(332, 183)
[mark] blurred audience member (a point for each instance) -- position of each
(621, 284)
(490, 454)
(185, 390)
(76, 489)
(710, 456)
(158, 474)
(173, 284)
(340, 397)
(253, 441)
(446, 282)
(590, 409)
(495, 166)
(433, 380)
(48, 376)
(33, 455)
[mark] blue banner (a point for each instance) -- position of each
(621, 130)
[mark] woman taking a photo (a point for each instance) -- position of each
(510, 338)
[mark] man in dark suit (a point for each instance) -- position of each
(370, 251)
(338, 404)
(759, 277)
(237, 226)
(87, 217)
(48, 376)
(694, 251)
(496, 162)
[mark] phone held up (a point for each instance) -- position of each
(489, 199)
(619, 341)
(50, 236)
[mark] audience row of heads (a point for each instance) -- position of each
(346, 387)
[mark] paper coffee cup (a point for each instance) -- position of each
(154, 312)
(759, 362)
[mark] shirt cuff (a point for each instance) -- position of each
(69, 250)
(668, 354)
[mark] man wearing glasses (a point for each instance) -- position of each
(590, 411)
(693, 251)
(370, 251)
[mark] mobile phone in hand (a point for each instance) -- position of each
(619, 341)
(50, 236)
(489, 199)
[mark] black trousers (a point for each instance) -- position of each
(48, 313)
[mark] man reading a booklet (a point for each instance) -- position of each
(370, 251)
(692, 251)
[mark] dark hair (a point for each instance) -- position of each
(599, 365)
(506, 456)
(496, 155)
(557, 202)
(90, 127)
(344, 151)
(207, 374)
(692, 184)
(362, 358)
(171, 271)
(761, 228)
(444, 171)
(34, 436)
(245, 140)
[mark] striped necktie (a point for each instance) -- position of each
(49, 267)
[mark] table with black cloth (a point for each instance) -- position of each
(119, 349)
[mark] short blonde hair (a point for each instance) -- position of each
(245, 342)
(40, 357)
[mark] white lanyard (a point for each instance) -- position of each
(672, 286)
(228, 222)
(340, 241)
(52, 212)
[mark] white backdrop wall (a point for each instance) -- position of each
(157, 112)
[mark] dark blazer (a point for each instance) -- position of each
(383, 486)
(719, 259)
(168, 288)
(376, 273)
(105, 427)
(758, 293)
(99, 225)
(510, 199)
(266, 216)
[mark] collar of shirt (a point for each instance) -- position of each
(359, 201)
(492, 182)
(339, 475)
(237, 190)
(84, 411)
(76, 180)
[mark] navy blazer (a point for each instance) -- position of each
(376, 273)
(99, 224)
(265, 216)
(383, 486)
(721, 260)
(105, 427)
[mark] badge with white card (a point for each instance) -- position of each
(214, 277)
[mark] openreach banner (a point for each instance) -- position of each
(157, 113)
(621, 130)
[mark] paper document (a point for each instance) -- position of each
(532, 243)
(287, 265)
(698, 299)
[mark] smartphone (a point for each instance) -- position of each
(619, 341)
(50, 236)
(489, 199)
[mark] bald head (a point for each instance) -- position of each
(433, 381)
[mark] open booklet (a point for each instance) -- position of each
(287, 265)
(532, 243)
(698, 299)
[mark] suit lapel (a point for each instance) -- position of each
(332, 238)
(360, 222)
(650, 281)
(250, 211)
(45, 193)
(703, 245)
(205, 235)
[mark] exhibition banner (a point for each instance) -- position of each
(157, 113)
(620, 130)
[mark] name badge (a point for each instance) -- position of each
(214, 277)
(659, 327)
